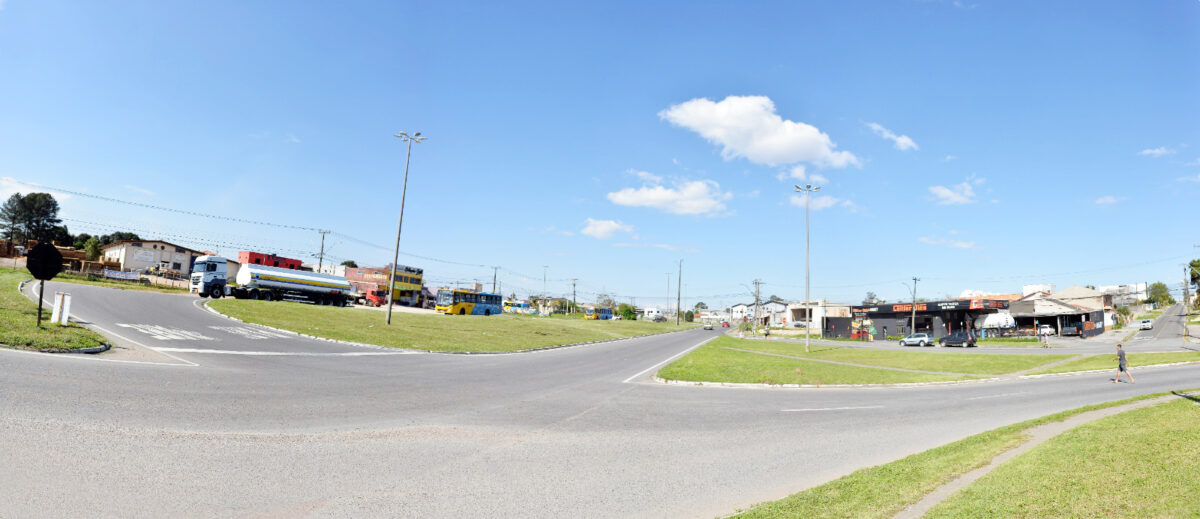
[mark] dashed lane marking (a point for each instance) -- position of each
(1002, 395)
(251, 333)
(831, 409)
(163, 333)
(287, 353)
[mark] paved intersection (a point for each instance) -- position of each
(242, 422)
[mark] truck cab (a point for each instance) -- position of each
(377, 297)
(209, 277)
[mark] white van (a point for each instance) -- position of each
(1147, 324)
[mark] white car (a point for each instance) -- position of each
(1147, 324)
(1045, 329)
(917, 339)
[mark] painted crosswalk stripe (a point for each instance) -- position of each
(250, 333)
(163, 333)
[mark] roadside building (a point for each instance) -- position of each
(741, 311)
(651, 313)
(937, 318)
(327, 268)
(1125, 295)
(407, 289)
(270, 260)
(798, 312)
(150, 255)
(1065, 317)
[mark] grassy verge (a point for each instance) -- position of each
(1153, 314)
(724, 366)
(1009, 341)
(18, 322)
(1108, 361)
(460, 333)
(70, 277)
(1142, 463)
(884, 490)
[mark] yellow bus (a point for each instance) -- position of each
(598, 313)
(467, 302)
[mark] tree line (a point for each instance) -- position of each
(35, 217)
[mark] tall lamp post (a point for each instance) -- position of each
(808, 190)
(410, 139)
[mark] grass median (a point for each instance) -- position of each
(18, 321)
(1140, 463)
(915, 358)
(456, 333)
(884, 490)
(71, 277)
(1109, 361)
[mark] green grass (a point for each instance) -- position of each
(884, 490)
(457, 333)
(954, 362)
(1009, 341)
(1108, 361)
(18, 321)
(712, 363)
(1153, 314)
(71, 277)
(1141, 463)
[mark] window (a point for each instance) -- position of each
(178, 249)
(176, 266)
(136, 244)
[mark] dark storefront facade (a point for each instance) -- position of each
(937, 318)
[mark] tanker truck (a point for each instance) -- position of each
(210, 279)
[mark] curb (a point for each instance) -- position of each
(93, 350)
(418, 350)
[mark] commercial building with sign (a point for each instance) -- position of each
(406, 290)
(937, 318)
(146, 255)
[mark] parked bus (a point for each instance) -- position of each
(518, 307)
(597, 313)
(467, 302)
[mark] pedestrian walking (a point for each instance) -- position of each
(1122, 366)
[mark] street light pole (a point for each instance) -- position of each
(410, 139)
(808, 190)
(914, 306)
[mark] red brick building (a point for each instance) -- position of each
(270, 260)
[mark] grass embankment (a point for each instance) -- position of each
(71, 277)
(1009, 341)
(1141, 463)
(458, 333)
(18, 321)
(721, 361)
(1109, 361)
(1153, 314)
(884, 490)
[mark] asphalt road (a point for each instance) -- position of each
(198, 415)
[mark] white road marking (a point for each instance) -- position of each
(831, 409)
(997, 396)
(669, 359)
(163, 333)
(288, 353)
(251, 333)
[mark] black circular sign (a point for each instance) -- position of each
(44, 262)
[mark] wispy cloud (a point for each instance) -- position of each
(949, 158)
(1107, 200)
(646, 176)
(1157, 152)
(943, 242)
(554, 230)
(1190, 179)
(686, 197)
(901, 142)
(137, 189)
(1193, 163)
(824, 202)
(749, 127)
(292, 138)
(604, 229)
(963, 193)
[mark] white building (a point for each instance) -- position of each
(651, 313)
(1125, 294)
(1033, 289)
(147, 255)
(797, 312)
(329, 268)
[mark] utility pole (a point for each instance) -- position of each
(573, 280)
(495, 270)
(914, 306)
(321, 255)
(756, 306)
(678, 293)
(808, 190)
(410, 139)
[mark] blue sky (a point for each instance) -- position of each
(976, 144)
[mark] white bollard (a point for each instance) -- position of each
(66, 309)
(56, 308)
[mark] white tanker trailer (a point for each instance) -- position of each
(209, 279)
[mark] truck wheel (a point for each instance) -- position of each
(487, 312)
(216, 291)
(266, 295)
(462, 311)
(255, 294)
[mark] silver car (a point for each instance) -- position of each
(917, 339)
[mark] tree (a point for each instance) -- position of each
(108, 239)
(627, 312)
(870, 299)
(774, 299)
(605, 301)
(1195, 270)
(701, 306)
(60, 235)
(1160, 294)
(92, 248)
(39, 212)
(689, 316)
(11, 217)
(350, 264)
(80, 240)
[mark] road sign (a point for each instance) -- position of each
(44, 261)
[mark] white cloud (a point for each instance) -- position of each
(141, 190)
(954, 244)
(1190, 179)
(1194, 162)
(292, 138)
(646, 176)
(796, 173)
(949, 158)
(1106, 200)
(1157, 152)
(554, 230)
(603, 229)
(901, 142)
(690, 197)
(962, 193)
(819, 202)
(748, 127)
(818, 179)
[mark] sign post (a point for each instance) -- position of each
(44, 262)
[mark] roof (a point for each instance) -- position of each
(1046, 307)
(123, 242)
(1080, 296)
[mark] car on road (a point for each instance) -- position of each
(724, 324)
(1045, 329)
(708, 326)
(659, 319)
(963, 339)
(917, 339)
(1147, 324)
